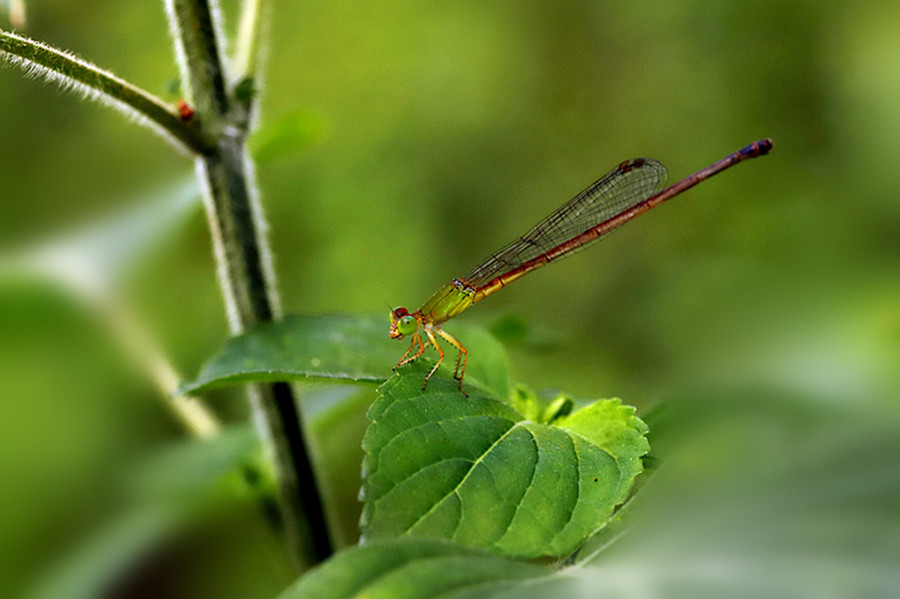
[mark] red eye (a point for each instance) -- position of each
(400, 312)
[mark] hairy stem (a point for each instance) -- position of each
(202, 73)
(238, 230)
(215, 132)
(95, 83)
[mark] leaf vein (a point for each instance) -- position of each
(437, 422)
(519, 503)
(475, 463)
(571, 517)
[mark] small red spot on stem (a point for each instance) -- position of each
(185, 111)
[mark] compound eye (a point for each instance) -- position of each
(407, 325)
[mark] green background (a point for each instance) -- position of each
(409, 140)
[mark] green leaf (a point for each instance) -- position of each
(336, 347)
(476, 471)
(488, 365)
(606, 536)
(413, 569)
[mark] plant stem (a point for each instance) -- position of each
(193, 414)
(98, 84)
(216, 135)
(202, 74)
(238, 229)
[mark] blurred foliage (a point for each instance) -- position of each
(414, 568)
(400, 143)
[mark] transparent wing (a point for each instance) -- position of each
(628, 184)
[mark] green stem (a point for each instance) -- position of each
(97, 84)
(202, 74)
(248, 284)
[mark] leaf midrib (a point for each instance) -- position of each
(475, 463)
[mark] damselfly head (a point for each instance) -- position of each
(402, 323)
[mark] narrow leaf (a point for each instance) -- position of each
(474, 470)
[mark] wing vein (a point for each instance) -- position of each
(622, 188)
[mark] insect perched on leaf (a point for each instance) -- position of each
(625, 192)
